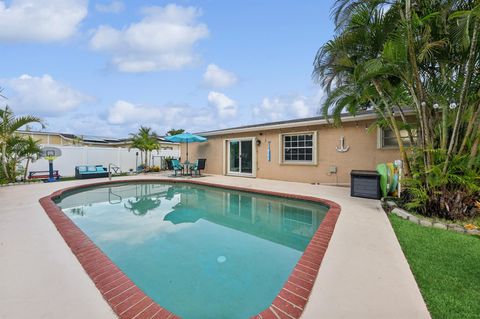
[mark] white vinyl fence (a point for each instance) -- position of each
(83, 155)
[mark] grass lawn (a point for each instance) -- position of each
(446, 266)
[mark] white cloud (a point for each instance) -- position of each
(217, 77)
(220, 112)
(226, 107)
(123, 112)
(287, 107)
(43, 21)
(160, 118)
(42, 95)
(115, 6)
(162, 40)
(84, 121)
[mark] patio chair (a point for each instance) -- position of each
(176, 166)
(198, 167)
(169, 164)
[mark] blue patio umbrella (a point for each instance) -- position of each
(183, 215)
(185, 138)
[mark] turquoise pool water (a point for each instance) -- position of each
(200, 252)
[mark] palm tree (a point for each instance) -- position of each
(142, 205)
(351, 71)
(144, 202)
(423, 56)
(13, 151)
(9, 124)
(174, 131)
(30, 151)
(146, 140)
(78, 140)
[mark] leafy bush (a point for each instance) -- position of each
(154, 168)
(452, 195)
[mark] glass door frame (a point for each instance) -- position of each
(254, 157)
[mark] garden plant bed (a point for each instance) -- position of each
(467, 227)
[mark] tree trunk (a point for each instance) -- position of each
(470, 126)
(13, 169)
(26, 170)
(463, 93)
(421, 133)
(444, 128)
(375, 107)
(474, 151)
(426, 127)
(401, 147)
(4, 161)
(417, 82)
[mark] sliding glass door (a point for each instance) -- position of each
(240, 154)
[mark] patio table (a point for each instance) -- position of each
(186, 166)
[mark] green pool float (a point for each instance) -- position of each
(382, 169)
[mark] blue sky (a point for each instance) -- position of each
(105, 67)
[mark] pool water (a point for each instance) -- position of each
(198, 251)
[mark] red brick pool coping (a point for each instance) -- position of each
(130, 302)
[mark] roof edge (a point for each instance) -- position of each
(290, 123)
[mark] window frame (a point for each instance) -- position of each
(281, 143)
(381, 140)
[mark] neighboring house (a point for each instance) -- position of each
(304, 150)
(65, 139)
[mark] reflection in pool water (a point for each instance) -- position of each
(200, 252)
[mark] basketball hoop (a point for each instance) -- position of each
(50, 154)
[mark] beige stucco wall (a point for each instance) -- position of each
(363, 153)
(44, 138)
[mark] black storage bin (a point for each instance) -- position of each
(365, 184)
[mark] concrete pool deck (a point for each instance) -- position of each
(364, 273)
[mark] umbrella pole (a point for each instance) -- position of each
(187, 151)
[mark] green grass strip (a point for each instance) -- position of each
(446, 266)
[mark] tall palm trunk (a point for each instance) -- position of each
(471, 124)
(463, 93)
(424, 119)
(444, 134)
(4, 161)
(474, 151)
(421, 120)
(26, 169)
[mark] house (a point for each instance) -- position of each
(309, 150)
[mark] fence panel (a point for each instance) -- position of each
(83, 155)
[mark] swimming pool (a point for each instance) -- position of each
(198, 251)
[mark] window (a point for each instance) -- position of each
(388, 138)
(298, 148)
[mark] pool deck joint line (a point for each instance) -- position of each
(128, 301)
